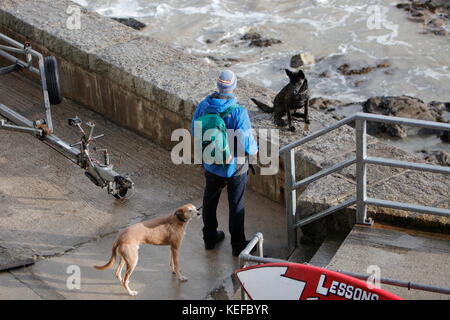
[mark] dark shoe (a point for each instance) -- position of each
(238, 249)
(209, 245)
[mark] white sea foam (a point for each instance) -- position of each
(120, 8)
(83, 3)
(427, 72)
(327, 28)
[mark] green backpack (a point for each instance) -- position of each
(216, 138)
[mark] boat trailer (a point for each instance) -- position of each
(101, 173)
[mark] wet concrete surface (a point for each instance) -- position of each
(399, 254)
(206, 270)
(13, 289)
(51, 210)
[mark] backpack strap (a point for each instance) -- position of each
(228, 111)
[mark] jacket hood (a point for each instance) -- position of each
(218, 104)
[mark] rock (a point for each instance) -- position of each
(438, 22)
(439, 157)
(346, 71)
(383, 65)
(256, 40)
(437, 26)
(403, 106)
(323, 103)
(251, 36)
(438, 108)
(131, 22)
(415, 13)
(302, 59)
(435, 4)
(264, 42)
(434, 14)
(445, 137)
(403, 5)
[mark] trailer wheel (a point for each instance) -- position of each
(124, 187)
(52, 77)
(121, 194)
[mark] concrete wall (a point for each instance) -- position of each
(152, 88)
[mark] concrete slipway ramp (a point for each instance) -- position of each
(51, 210)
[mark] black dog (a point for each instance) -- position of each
(295, 95)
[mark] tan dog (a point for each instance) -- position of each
(167, 231)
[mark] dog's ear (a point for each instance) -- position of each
(180, 212)
(289, 73)
(304, 85)
(301, 74)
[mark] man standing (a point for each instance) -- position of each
(232, 173)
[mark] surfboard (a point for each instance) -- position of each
(293, 281)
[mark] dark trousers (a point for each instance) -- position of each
(235, 188)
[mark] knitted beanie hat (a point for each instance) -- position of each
(227, 81)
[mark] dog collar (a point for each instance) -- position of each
(180, 218)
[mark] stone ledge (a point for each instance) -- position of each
(50, 29)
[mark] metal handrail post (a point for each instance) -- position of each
(290, 198)
(261, 247)
(257, 240)
(361, 172)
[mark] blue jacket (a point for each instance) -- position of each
(237, 119)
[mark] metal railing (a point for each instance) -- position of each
(361, 160)
(361, 200)
(245, 257)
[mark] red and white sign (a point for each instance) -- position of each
(293, 281)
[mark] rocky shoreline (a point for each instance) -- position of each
(399, 106)
(407, 107)
(433, 14)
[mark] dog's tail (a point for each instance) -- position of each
(264, 107)
(111, 261)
